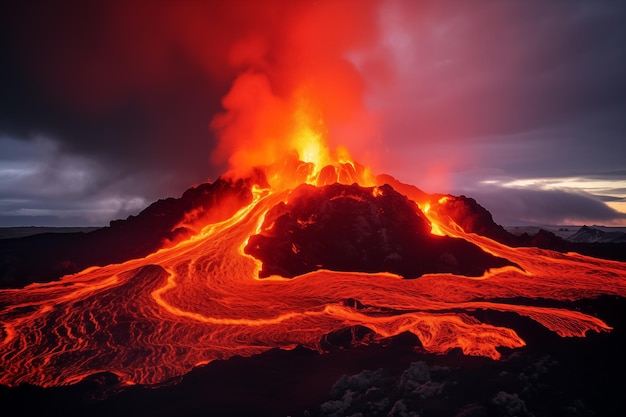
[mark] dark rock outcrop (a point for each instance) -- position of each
(351, 228)
(464, 211)
(471, 216)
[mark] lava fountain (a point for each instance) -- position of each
(213, 295)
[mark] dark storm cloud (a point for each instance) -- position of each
(526, 88)
(65, 84)
(518, 206)
(64, 77)
(611, 198)
(40, 185)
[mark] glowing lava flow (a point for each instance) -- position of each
(151, 319)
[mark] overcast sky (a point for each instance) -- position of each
(106, 107)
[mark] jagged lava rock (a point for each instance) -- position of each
(352, 228)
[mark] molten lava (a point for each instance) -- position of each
(151, 319)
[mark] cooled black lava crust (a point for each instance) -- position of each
(353, 228)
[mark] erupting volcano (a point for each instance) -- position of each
(313, 243)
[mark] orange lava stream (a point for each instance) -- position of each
(151, 319)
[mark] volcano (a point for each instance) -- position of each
(239, 267)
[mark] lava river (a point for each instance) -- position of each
(151, 319)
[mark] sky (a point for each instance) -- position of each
(106, 107)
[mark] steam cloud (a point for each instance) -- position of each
(298, 64)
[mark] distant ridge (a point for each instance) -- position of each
(24, 231)
(592, 234)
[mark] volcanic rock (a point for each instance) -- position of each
(352, 228)
(471, 216)
(464, 211)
